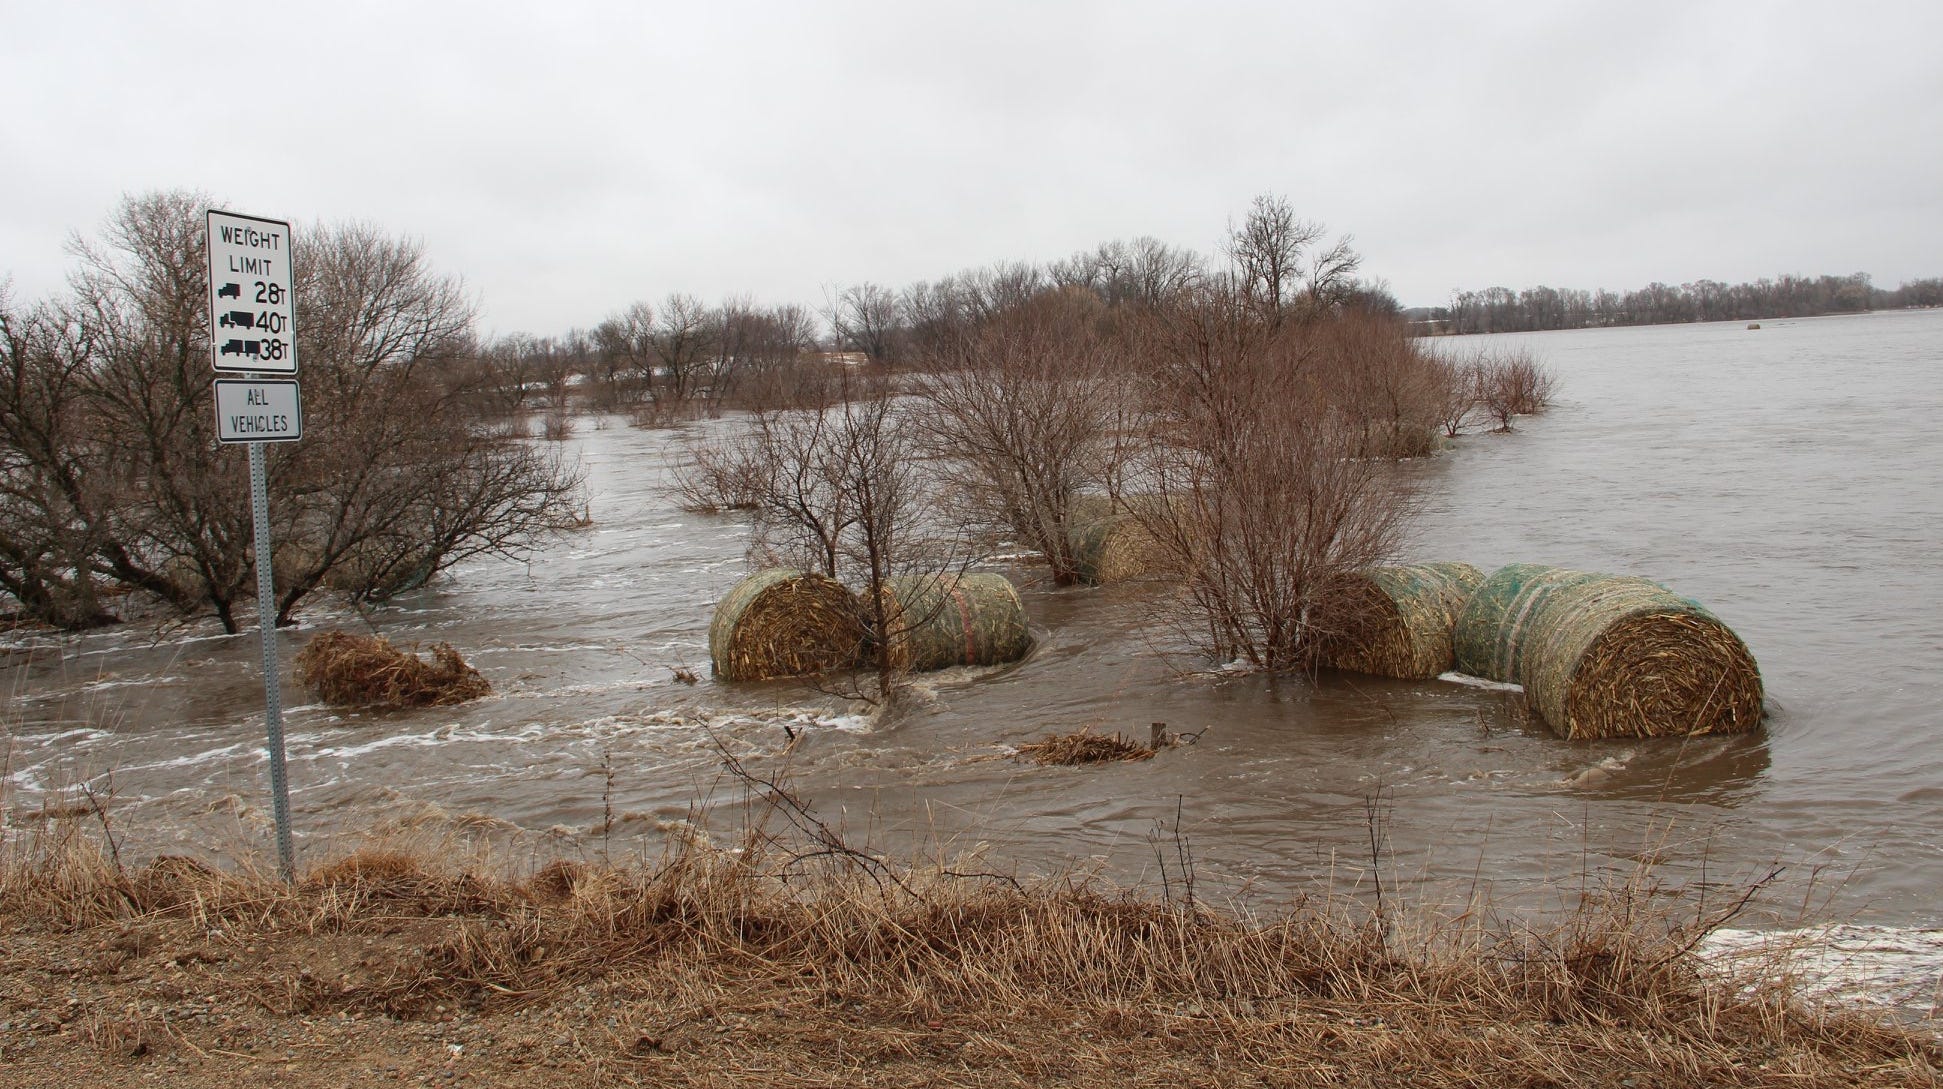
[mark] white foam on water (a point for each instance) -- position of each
(540, 648)
(1879, 967)
(87, 733)
(551, 694)
(484, 734)
(1469, 681)
(345, 752)
(144, 682)
(668, 719)
(195, 758)
(850, 724)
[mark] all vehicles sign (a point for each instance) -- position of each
(258, 410)
(252, 310)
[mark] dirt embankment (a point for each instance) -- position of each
(817, 965)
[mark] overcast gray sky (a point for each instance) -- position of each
(570, 159)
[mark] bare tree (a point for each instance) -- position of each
(1264, 506)
(1332, 275)
(178, 518)
(683, 342)
(1379, 379)
(842, 493)
(868, 319)
(1509, 384)
(1025, 413)
(400, 474)
(50, 473)
(1456, 385)
(505, 373)
(994, 289)
(776, 363)
(1153, 273)
(1276, 262)
(623, 346)
(401, 480)
(1143, 272)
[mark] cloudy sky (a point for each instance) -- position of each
(570, 160)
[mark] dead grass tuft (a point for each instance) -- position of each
(1086, 747)
(367, 671)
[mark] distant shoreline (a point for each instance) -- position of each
(1541, 309)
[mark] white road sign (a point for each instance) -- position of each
(258, 410)
(252, 312)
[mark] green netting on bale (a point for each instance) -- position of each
(1398, 621)
(938, 621)
(1609, 656)
(1492, 630)
(1625, 657)
(784, 623)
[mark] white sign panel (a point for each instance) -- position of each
(258, 410)
(252, 311)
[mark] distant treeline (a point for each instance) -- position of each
(1502, 310)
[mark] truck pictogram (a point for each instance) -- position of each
(250, 348)
(230, 291)
(237, 319)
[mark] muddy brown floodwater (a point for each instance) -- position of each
(1788, 477)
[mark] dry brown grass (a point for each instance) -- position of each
(777, 964)
(367, 671)
(1085, 747)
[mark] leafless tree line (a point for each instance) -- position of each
(1502, 310)
(112, 483)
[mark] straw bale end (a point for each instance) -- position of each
(784, 623)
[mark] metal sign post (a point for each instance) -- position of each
(252, 328)
(266, 624)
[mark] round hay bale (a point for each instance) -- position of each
(1398, 621)
(1115, 549)
(1109, 542)
(1491, 630)
(1606, 656)
(1624, 657)
(939, 621)
(784, 623)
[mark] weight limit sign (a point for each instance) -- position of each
(251, 308)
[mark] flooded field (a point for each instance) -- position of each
(1789, 477)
